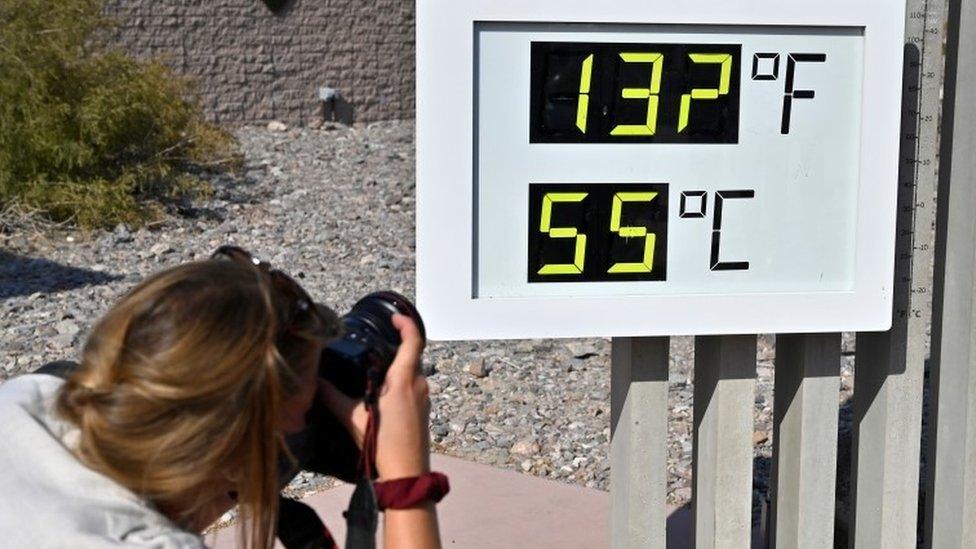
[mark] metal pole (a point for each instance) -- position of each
(951, 513)
(638, 441)
(725, 387)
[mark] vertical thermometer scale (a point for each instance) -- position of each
(585, 173)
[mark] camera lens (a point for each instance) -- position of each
(369, 342)
(379, 308)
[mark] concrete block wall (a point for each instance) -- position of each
(252, 65)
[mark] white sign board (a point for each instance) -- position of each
(641, 168)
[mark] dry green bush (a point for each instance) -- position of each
(88, 134)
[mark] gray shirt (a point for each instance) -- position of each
(50, 499)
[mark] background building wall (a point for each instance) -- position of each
(253, 65)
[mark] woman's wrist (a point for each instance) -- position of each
(413, 528)
(396, 473)
(403, 466)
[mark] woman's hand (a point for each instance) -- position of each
(403, 440)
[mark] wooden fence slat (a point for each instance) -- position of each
(951, 509)
(725, 384)
(887, 443)
(805, 440)
(638, 442)
(889, 371)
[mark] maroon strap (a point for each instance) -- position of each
(328, 542)
(403, 493)
(400, 493)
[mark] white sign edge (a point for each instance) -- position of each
(445, 80)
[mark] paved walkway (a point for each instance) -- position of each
(491, 508)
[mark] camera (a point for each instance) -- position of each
(368, 344)
(354, 362)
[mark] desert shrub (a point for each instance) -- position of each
(88, 134)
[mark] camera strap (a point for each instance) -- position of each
(362, 517)
(370, 497)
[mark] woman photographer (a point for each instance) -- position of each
(179, 411)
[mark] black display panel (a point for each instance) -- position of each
(598, 232)
(634, 93)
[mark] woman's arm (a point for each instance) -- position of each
(411, 528)
(403, 440)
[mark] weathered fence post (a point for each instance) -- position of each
(805, 440)
(638, 441)
(889, 375)
(951, 501)
(725, 383)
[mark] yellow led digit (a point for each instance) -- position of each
(649, 93)
(725, 78)
(584, 93)
(647, 261)
(545, 225)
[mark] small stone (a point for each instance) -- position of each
(582, 349)
(62, 341)
(525, 447)
(682, 494)
(276, 126)
(122, 234)
(161, 249)
(759, 437)
(433, 387)
(526, 465)
(478, 368)
(66, 327)
(524, 347)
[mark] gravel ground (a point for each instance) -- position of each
(334, 207)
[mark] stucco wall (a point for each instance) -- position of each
(253, 65)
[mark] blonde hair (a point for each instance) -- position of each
(180, 384)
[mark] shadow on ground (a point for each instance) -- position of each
(21, 275)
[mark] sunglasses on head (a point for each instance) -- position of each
(301, 305)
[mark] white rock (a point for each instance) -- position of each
(525, 447)
(582, 349)
(276, 126)
(67, 327)
(161, 249)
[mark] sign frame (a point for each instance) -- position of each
(446, 152)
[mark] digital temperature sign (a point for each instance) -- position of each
(637, 169)
(624, 93)
(597, 232)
